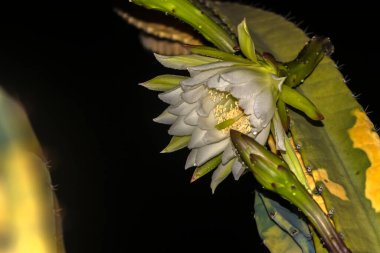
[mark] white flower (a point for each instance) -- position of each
(218, 96)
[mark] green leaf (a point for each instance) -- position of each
(276, 239)
(163, 82)
(289, 222)
(344, 150)
(176, 143)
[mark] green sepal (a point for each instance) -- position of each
(177, 143)
(245, 41)
(300, 102)
(163, 82)
(281, 108)
(206, 168)
(215, 53)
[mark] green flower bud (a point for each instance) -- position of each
(274, 174)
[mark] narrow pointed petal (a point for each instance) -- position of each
(200, 78)
(176, 143)
(206, 168)
(207, 104)
(214, 135)
(264, 106)
(247, 104)
(205, 137)
(218, 83)
(228, 153)
(172, 97)
(220, 174)
(246, 41)
(165, 118)
(262, 137)
(190, 161)
(163, 82)
(237, 169)
(279, 132)
(207, 123)
(195, 70)
(196, 138)
(182, 109)
(207, 152)
(194, 95)
(180, 128)
(182, 62)
(240, 75)
(192, 118)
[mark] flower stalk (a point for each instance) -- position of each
(274, 175)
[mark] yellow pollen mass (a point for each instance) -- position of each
(228, 109)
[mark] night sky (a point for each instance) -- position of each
(75, 66)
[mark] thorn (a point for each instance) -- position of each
(330, 213)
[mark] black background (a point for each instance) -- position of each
(75, 66)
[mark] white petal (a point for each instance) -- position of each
(247, 90)
(194, 95)
(192, 118)
(279, 132)
(218, 83)
(196, 138)
(183, 61)
(262, 137)
(228, 153)
(207, 123)
(165, 118)
(190, 161)
(215, 135)
(220, 174)
(207, 152)
(201, 78)
(172, 97)
(237, 169)
(207, 104)
(182, 109)
(197, 69)
(256, 123)
(241, 75)
(264, 106)
(180, 128)
(247, 104)
(209, 137)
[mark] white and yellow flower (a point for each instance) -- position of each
(224, 92)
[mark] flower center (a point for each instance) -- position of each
(228, 114)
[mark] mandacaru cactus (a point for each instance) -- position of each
(263, 97)
(29, 212)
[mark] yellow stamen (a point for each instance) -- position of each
(228, 114)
